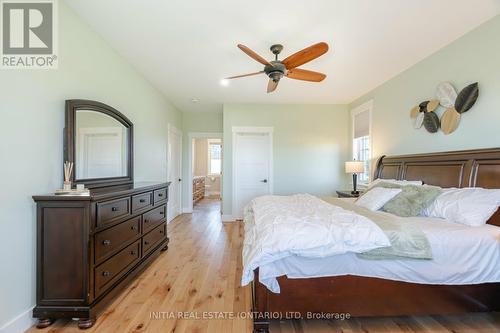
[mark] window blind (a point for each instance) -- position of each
(362, 124)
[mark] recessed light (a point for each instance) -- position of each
(224, 82)
(194, 100)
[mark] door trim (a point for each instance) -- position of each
(257, 130)
(175, 130)
(188, 208)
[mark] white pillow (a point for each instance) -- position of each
(394, 181)
(377, 197)
(471, 206)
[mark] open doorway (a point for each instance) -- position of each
(206, 170)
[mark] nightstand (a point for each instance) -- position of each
(348, 194)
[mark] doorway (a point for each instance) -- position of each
(205, 170)
(252, 165)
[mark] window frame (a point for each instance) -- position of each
(209, 156)
(365, 107)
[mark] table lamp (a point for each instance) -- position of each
(354, 167)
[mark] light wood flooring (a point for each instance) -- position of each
(201, 273)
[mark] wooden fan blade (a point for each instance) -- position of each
(243, 75)
(253, 55)
(306, 55)
(305, 75)
(272, 85)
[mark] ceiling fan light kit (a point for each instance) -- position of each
(276, 69)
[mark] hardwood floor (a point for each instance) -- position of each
(201, 272)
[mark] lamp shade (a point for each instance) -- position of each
(354, 167)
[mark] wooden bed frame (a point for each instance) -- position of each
(364, 296)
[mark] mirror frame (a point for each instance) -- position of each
(72, 106)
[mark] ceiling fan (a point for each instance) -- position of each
(276, 69)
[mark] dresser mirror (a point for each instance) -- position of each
(99, 141)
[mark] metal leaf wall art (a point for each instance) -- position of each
(431, 122)
(467, 98)
(446, 97)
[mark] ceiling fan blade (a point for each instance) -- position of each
(243, 75)
(305, 75)
(310, 53)
(272, 85)
(253, 55)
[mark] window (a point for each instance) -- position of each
(214, 157)
(361, 145)
(361, 152)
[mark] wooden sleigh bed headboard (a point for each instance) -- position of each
(466, 168)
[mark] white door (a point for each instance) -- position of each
(174, 172)
(101, 153)
(252, 168)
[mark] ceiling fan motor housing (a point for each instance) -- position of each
(276, 71)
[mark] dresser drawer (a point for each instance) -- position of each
(152, 218)
(116, 266)
(153, 238)
(140, 201)
(160, 195)
(110, 240)
(110, 211)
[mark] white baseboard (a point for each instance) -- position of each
(227, 218)
(186, 210)
(20, 323)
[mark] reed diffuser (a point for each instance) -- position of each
(68, 169)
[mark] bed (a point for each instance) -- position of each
(378, 289)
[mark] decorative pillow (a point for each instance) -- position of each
(375, 198)
(472, 206)
(394, 181)
(412, 200)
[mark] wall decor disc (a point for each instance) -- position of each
(431, 122)
(419, 120)
(414, 112)
(450, 120)
(432, 105)
(446, 94)
(467, 98)
(423, 106)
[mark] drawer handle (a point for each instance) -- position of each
(133, 227)
(146, 221)
(160, 194)
(142, 200)
(106, 242)
(146, 242)
(162, 212)
(161, 231)
(133, 253)
(114, 209)
(105, 273)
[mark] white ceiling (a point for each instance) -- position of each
(185, 47)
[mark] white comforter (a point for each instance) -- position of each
(306, 226)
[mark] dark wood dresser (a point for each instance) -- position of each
(90, 247)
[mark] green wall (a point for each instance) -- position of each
(32, 113)
(310, 145)
(195, 122)
(473, 57)
(202, 122)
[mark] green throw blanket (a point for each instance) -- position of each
(407, 240)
